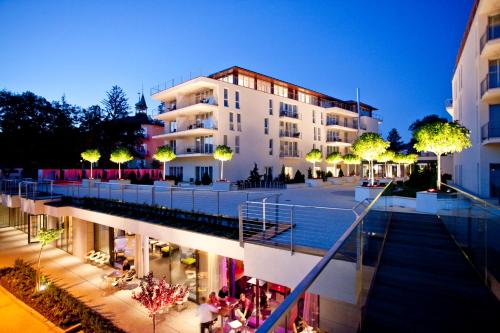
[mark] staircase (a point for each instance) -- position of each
(425, 284)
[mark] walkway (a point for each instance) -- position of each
(86, 282)
(425, 284)
(21, 316)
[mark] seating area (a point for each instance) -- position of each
(98, 258)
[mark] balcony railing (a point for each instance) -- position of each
(489, 131)
(333, 104)
(289, 114)
(290, 154)
(334, 139)
(492, 32)
(332, 122)
(290, 134)
(490, 82)
(195, 150)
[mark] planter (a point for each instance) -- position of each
(396, 201)
(90, 182)
(164, 183)
(117, 184)
(315, 182)
(221, 186)
(335, 180)
(364, 192)
(297, 185)
(434, 202)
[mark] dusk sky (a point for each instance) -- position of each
(401, 54)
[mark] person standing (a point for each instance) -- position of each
(206, 312)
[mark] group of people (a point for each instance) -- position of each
(126, 274)
(210, 308)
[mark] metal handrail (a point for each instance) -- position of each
(309, 279)
(461, 191)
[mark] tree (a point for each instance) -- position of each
(255, 176)
(369, 146)
(334, 158)
(223, 153)
(399, 159)
(409, 160)
(351, 159)
(385, 157)
(156, 295)
(116, 103)
(441, 137)
(432, 118)
(92, 156)
(45, 237)
(313, 157)
(396, 144)
(120, 155)
(164, 154)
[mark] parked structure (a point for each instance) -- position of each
(476, 100)
(264, 120)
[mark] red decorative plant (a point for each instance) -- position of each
(156, 295)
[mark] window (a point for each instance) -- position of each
(304, 98)
(314, 117)
(319, 134)
(204, 145)
(237, 99)
(245, 81)
(227, 78)
(280, 90)
(176, 171)
(315, 136)
(231, 124)
(266, 125)
(270, 107)
(238, 122)
(173, 145)
(330, 149)
(225, 140)
(270, 146)
(264, 86)
(173, 126)
(204, 96)
(201, 170)
(226, 102)
(237, 144)
(288, 110)
(321, 118)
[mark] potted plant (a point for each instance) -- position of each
(120, 155)
(164, 154)
(314, 156)
(223, 154)
(92, 156)
(45, 237)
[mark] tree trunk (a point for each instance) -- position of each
(221, 170)
(335, 173)
(438, 171)
(314, 170)
(164, 168)
(385, 169)
(372, 178)
(38, 275)
(399, 171)
(348, 170)
(91, 171)
(154, 323)
(119, 171)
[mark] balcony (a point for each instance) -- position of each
(332, 123)
(289, 114)
(448, 104)
(290, 154)
(290, 134)
(194, 107)
(206, 127)
(195, 151)
(490, 88)
(336, 141)
(490, 43)
(490, 133)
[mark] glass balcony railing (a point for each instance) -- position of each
(492, 32)
(490, 130)
(332, 296)
(290, 134)
(491, 81)
(286, 153)
(289, 114)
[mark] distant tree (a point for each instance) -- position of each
(334, 158)
(313, 157)
(223, 153)
(116, 103)
(396, 144)
(92, 156)
(164, 154)
(369, 146)
(351, 159)
(45, 237)
(120, 155)
(441, 137)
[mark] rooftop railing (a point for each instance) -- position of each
(172, 83)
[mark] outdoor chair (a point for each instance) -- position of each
(104, 259)
(89, 255)
(96, 256)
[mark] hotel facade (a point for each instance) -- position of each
(476, 100)
(264, 120)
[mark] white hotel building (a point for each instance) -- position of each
(476, 100)
(264, 120)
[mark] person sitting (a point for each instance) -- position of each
(244, 308)
(301, 326)
(212, 299)
(125, 266)
(206, 312)
(224, 293)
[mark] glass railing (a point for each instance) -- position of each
(492, 32)
(332, 295)
(491, 81)
(474, 224)
(489, 130)
(289, 134)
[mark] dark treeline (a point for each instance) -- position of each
(36, 133)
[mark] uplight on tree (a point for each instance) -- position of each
(369, 146)
(440, 138)
(385, 157)
(120, 155)
(92, 156)
(313, 157)
(223, 154)
(334, 158)
(164, 154)
(351, 159)
(45, 237)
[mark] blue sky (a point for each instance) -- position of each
(401, 54)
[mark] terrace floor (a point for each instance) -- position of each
(85, 281)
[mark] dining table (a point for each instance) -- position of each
(226, 307)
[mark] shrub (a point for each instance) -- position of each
(329, 174)
(309, 173)
(254, 174)
(198, 182)
(341, 173)
(205, 179)
(299, 177)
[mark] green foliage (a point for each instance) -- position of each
(369, 145)
(386, 156)
(91, 155)
(223, 153)
(48, 236)
(121, 155)
(314, 156)
(396, 144)
(116, 103)
(334, 157)
(441, 137)
(351, 159)
(164, 154)
(205, 179)
(432, 118)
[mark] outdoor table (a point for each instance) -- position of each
(225, 308)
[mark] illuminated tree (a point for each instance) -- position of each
(385, 157)
(313, 157)
(334, 158)
(164, 154)
(223, 153)
(45, 237)
(369, 146)
(92, 156)
(120, 155)
(351, 159)
(399, 159)
(440, 138)
(157, 295)
(410, 159)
